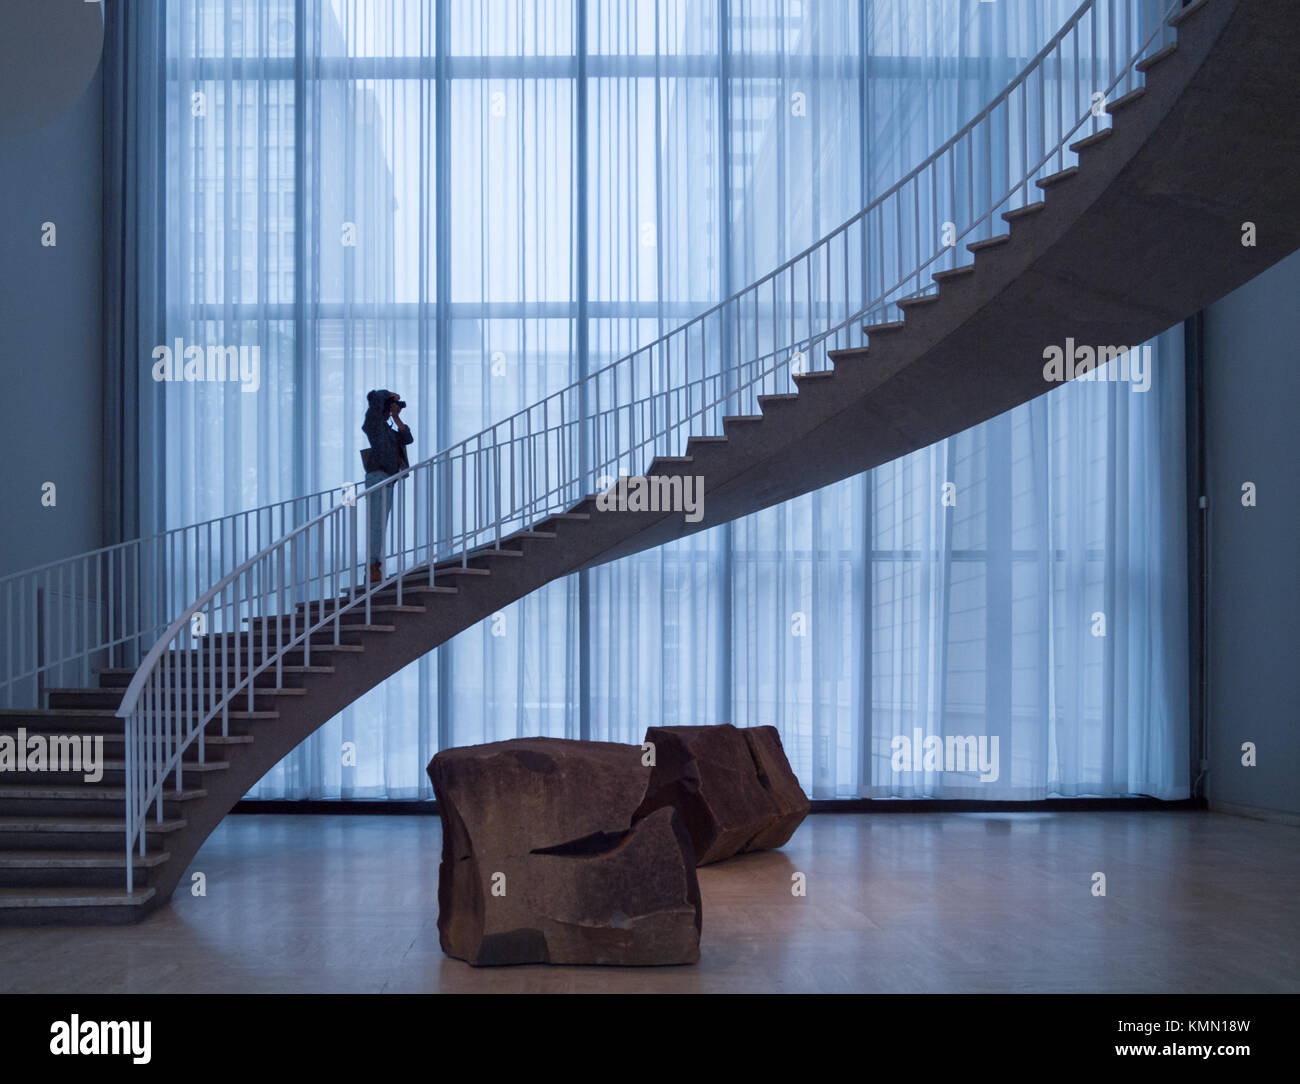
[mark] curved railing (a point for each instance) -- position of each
(106, 608)
(293, 594)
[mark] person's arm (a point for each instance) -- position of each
(404, 434)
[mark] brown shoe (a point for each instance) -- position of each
(376, 572)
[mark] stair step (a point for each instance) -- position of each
(918, 302)
(283, 633)
(375, 607)
(882, 329)
(74, 715)
(670, 461)
(709, 440)
(988, 242)
(322, 646)
(1156, 57)
(1092, 140)
(79, 860)
(777, 399)
(848, 354)
(460, 570)
(1179, 16)
(209, 740)
(11, 899)
(349, 621)
(1124, 102)
(380, 601)
(493, 552)
(1057, 178)
(57, 826)
(576, 517)
(24, 792)
(741, 419)
(1023, 212)
(120, 766)
(533, 534)
(816, 374)
(417, 586)
(113, 728)
(953, 273)
(124, 675)
(113, 696)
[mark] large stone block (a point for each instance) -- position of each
(542, 862)
(782, 786)
(728, 800)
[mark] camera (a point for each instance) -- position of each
(400, 403)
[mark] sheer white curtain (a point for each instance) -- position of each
(477, 202)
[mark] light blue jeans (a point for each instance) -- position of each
(381, 510)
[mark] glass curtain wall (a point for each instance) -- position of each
(475, 202)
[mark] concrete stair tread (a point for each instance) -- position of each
(1093, 140)
(79, 859)
(13, 898)
(1146, 64)
(285, 669)
(1057, 178)
(13, 791)
(110, 713)
(422, 587)
(1025, 211)
(86, 825)
(375, 608)
(1182, 14)
(180, 690)
(989, 242)
(208, 740)
(1126, 100)
(120, 766)
(256, 632)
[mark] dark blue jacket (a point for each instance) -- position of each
(388, 444)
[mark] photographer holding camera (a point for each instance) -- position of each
(385, 457)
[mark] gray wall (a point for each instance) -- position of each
(51, 338)
(1252, 391)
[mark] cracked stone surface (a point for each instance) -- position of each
(777, 778)
(732, 787)
(542, 862)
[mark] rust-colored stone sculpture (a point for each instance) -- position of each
(778, 779)
(732, 787)
(542, 861)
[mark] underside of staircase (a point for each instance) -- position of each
(1143, 233)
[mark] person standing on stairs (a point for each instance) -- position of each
(386, 457)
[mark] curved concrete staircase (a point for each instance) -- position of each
(1142, 233)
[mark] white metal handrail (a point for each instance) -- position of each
(108, 606)
(294, 594)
